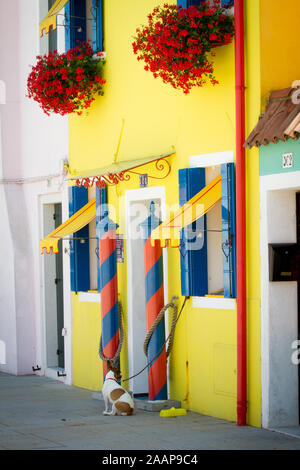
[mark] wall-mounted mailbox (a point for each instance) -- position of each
(283, 262)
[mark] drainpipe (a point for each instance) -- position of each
(240, 214)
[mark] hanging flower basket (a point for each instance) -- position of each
(176, 44)
(66, 83)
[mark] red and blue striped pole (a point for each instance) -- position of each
(107, 278)
(157, 370)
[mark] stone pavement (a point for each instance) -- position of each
(40, 413)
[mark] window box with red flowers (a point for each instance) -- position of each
(177, 43)
(67, 83)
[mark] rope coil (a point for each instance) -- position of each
(172, 305)
(169, 339)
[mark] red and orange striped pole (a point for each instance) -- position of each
(157, 370)
(106, 234)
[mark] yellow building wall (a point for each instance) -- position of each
(156, 119)
(86, 333)
(280, 24)
(253, 106)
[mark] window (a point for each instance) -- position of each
(52, 36)
(83, 22)
(83, 244)
(48, 42)
(89, 19)
(75, 22)
(208, 251)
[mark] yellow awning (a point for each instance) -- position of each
(50, 18)
(79, 220)
(192, 210)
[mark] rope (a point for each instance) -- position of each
(116, 357)
(172, 304)
(170, 337)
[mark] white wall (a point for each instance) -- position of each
(7, 300)
(33, 147)
(279, 315)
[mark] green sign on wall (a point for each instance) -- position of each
(282, 157)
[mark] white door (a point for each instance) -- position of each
(137, 210)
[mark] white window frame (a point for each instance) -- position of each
(204, 161)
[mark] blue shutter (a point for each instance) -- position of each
(98, 25)
(227, 3)
(228, 229)
(182, 3)
(193, 262)
(68, 26)
(75, 19)
(188, 3)
(101, 198)
(79, 249)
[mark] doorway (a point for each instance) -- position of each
(54, 299)
(59, 292)
(280, 220)
(137, 204)
(297, 266)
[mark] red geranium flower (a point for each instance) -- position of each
(66, 83)
(176, 43)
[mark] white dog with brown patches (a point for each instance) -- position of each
(120, 400)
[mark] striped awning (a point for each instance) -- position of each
(192, 210)
(51, 17)
(79, 220)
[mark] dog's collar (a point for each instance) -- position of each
(109, 378)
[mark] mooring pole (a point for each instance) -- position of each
(157, 370)
(106, 234)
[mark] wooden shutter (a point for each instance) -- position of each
(75, 23)
(228, 229)
(98, 25)
(188, 3)
(193, 262)
(79, 246)
(227, 3)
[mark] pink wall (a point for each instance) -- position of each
(33, 145)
